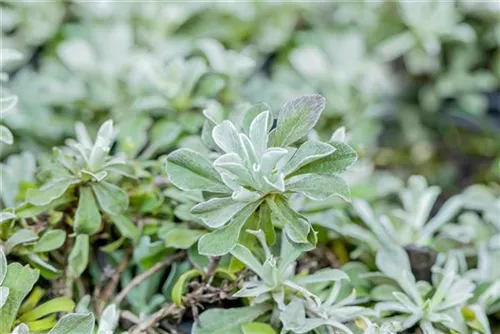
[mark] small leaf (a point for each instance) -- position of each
(221, 241)
(4, 216)
(179, 286)
(74, 323)
(60, 304)
(189, 170)
(228, 321)
(126, 227)
(50, 191)
(42, 325)
(257, 328)
(50, 240)
(79, 256)
(109, 320)
(20, 237)
(296, 118)
(19, 280)
(217, 211)
(112, 199)
(5, 135)
(319, 187)
(87, 217)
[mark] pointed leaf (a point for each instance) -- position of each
(223, 240)
(189, 170)
(335, 163)
(216, 212)
(87, 217)
(74, 323)
(296, 118)
(19, 280)
(318, 186)
(50, 191)
(308, 152)
(79, 255)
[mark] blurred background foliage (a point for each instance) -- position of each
(416, 86)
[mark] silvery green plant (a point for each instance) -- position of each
(427, 27)
(409, 224)
(297, 303)
(86, 165)
(258, 170)
(435, 308)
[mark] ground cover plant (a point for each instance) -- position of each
(250, 167)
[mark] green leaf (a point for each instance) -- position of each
(112, 199)
(253, 112)
(189, 170)
(74, 323)
(19, 280)
(228, 321)
(60, 304)
(297, 228)
(181, 238)
(266, 224)
(5, 135)
(20, 237)
(221, 241)
(335, 163)
(319, 186)
(126, 227)
(257, 328)
(179, 286)
(3, 266)
(42, 325)
(79, 256)
(308, 152)
(217, 211)
(4, 216)
(87, 217)
(50, 191)
(50, 240)
(296, 118)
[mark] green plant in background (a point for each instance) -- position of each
(8, 100)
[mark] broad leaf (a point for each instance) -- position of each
(335, 163)
(20, 237)
(87, 217)
(19, 280)
(319, 186)
(79, 256)
(74, 323)
(217, 211)
(308, 152)
(112, 199)
(222, 240)
(50, 191)
(296, 118)
(50, 240)
(189, 170)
